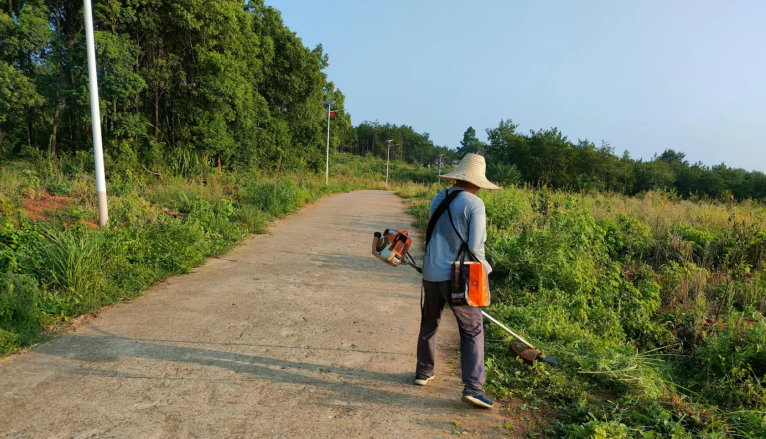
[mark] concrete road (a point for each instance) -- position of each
(299, 333)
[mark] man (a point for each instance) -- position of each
(469, 217)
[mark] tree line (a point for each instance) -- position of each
(228, 84)
(179, 80)
(548, 157)
(406, 143)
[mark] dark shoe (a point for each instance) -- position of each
(479, 401)
(423, 381)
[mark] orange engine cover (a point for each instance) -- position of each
(392, 246)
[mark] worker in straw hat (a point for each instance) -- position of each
(466, 211)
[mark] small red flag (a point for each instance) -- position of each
(332, 113)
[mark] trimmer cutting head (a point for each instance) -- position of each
(529, 354)
(525, 352)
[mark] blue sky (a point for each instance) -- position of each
(642, 75)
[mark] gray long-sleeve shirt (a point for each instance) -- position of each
(470, 220)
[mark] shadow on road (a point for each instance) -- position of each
(351, 385)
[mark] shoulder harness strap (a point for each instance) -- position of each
(444, 205)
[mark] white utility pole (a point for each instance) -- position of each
(388, 155)
(95, 114)
(441, 160)
(327, 162)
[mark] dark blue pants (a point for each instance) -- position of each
(471, 326)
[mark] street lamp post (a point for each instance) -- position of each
(327, 162)
(441, 163)
(388, 155)
(95, 115)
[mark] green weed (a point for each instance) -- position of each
(161, 224)
(73, 268)
(654, 305)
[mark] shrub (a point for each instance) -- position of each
(171, 247)
(221, 233)
(627, 238)
(20, 316)
(277, 198)
(253, 219)
(72, 267)
(59, 185)
(600, 430)
(738, 350)
(9, 342)
(20, 245)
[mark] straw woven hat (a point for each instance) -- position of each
(472, 169)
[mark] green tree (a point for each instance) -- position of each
(180, 82)
(470, 143)
(411, 146)
(24, 38)
(509, 146)
(653, 175)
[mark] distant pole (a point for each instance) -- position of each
(327, 160)
(441, 160)
(95, 115)
(327, 157)
(388, 156)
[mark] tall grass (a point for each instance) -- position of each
(72, 265)
(276, 198)
(655, 305)
(20, 315)
(54, 267)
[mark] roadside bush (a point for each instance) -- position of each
(253, 219)
(73, 268)
(21, 245)
(9, 342)
(183, 195)
(277, 198)
(20, 315)
(221, 232)
(169, 247)
(600, 430)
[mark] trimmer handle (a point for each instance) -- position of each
(375, 241)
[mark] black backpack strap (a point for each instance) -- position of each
(438, 213)
(449, 212)
(464, 246)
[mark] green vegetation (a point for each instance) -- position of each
(213, 125)
(408, 145)
(55, 266)
(547, 157)
(224, 82)
(654, 304)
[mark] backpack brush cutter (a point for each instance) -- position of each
(392, 247)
